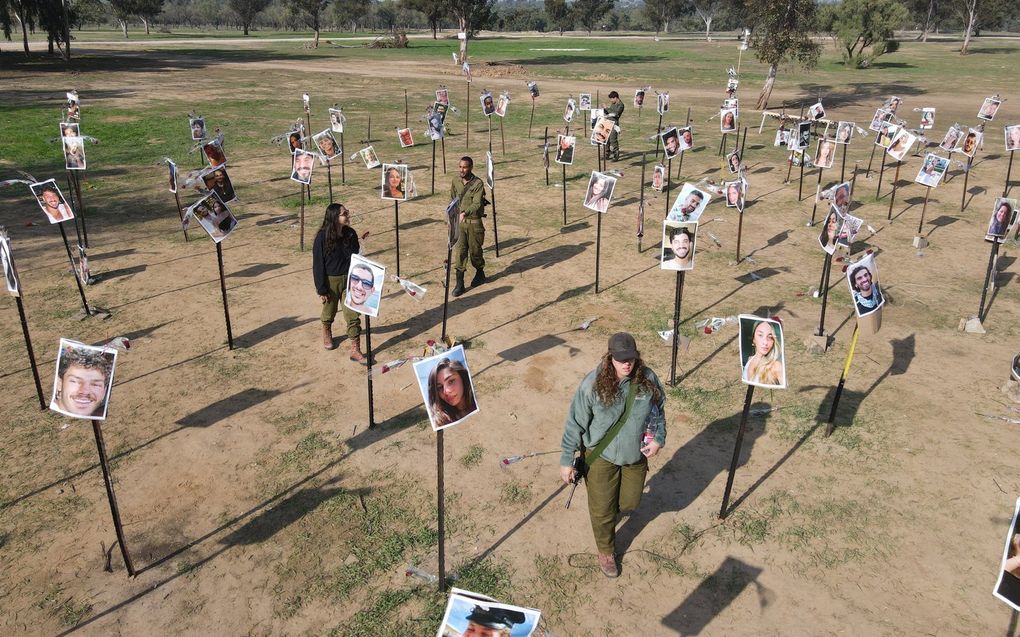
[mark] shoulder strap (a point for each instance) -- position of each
(596, 452)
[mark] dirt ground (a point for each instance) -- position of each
(242, 474)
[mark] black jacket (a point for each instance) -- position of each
(335, 262)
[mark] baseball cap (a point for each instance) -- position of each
(622, 347)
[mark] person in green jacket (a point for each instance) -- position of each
(616, 478)
(470, 192)
(614, 112)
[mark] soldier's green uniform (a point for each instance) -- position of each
(472, 232)
(614, 112)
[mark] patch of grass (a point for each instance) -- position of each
(473, 457)
(306, 449)
(293, 421)
(695, 400)
(69, 612)
(488, 577)
(515, 493)
(555, 585)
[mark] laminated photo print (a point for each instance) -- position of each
(844, 132)
(862, 277)
(565, 145)
(434, 126)
(881, 115)
(670, 142)
(70, 129)
(927, 119)
(601, 130)
(932, 170)
(1003, 216)
(734, 191)
(369, 156)
(782, 137)
(825, 153)
(11, 280)
(364, 286)
(584, 101)
(83, 380)
(74, 153)
(1012, 137)
(733, 162)
(488, 104)
(394, 182)
(803, 136)
(970, 142)
(336, 120)
(886, 133)
(600, 191)
(214, 153)
(533, 89)
(329, 149)
(453, 222)
(686, 138)
(213, 215)
(841, 198)
(73, 105)
(490, 170)
(639, 97)
(678, 239)
(901, 144)
(1007, 588)
(658, 177)
(952, 139)
(472, 615)
(197, 125)
(989, 108)
(851, 226)
(595, 114)
(828, 238)
(307, 102)
(816, 111)
(52, 201)
(662, 103)
(689, 204)
(796, 157)
(296, 140)
(302, 164)
(405, 138)
(568, 112)
(443, 96)
(445, 384)
(501, 104)
(892, 104)
(217, 180)
(762, 356)
(728, 120)
(172, 168)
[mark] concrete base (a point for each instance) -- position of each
(920, 242)
(817, 344)
(971, 325)
(97, 312)
(1012, 390)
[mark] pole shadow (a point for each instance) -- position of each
(713, 595)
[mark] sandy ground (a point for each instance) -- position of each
(894, 525)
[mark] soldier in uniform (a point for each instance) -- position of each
(614, 112)
(470, 192)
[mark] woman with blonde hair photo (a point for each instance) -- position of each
(764, 365)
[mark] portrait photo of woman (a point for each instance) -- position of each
(1008, 587)
(728, 120)
(733, 162)
(658, 177)
(825, 153)
(446, 387)
(214, 217)
(830, 232)
(405, 138)
(74, 153)
(214, 153)
(369, 156)
(394, 177)
(336, 120)
(600, 192)
(327, 146)
(501, 104)
(901, 144)
(1001, 220)
(294, 141)
(932, 170)
(844, 132)
(734, 194)
(927, 119)
(952, 139)
(1012, 137)
(761, 352)
(568, 112)
(197, 125)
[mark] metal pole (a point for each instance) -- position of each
(396, 227)
(881, 174)
(842, 382)
(870, 159)
(924, 209)
(368, 347)
(818, 188)
(544, 144)
(669, 173)
(564, 189)
(966, 180)
(892, 197)
(441, 510)
(446, 293)
(658, 132)
(223, 291)
(740, 228)
(74, 270)
(800, 188)
(180, 213)
(31, 354)
(492, 191)
(111, 497)
(824, 289)
(842, 168)
(329, 176)
(81, 208)
(736, 452)
(1009, 170)
(302, 222)
(532, 119)
(989, 282)
(467, 118)
(677, 300)
(343, 161)
(502, 139)
(641, 204)
(598, 246)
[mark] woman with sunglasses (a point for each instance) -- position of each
(334, 244)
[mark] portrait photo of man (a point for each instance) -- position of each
(501, 105)
(73, 106)
(472, 615)
(52, 202)
(565, 149)
(662, 103)
(197, 125)
(213, 215)
(803, 135)
(686, 136)
(971, 142)
(932, 170)
(568, 112)
(336, 120)
(678, 245)
(83, 380)
(639, 97)
(533, 89)
(841, 198)
(303, 163)
(1012, 137)
(671, 143)
(689, 204)
(816, 111)
(862, 277)
(988, 109)
(405, 138)
(217, 180)
(443, 96)
(364, 286)
(172, 176)
(584, 101)
(601, 130)
(329, 149)
(927, 119)
(658, 177)
(488, 105)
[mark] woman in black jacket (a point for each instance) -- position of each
(334, 244)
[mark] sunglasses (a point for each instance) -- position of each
(368, 284)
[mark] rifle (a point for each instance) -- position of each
(579, 470)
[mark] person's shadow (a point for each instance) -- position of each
(694, 466)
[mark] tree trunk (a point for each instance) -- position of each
(708, 30)
(145, 21)
(928, 20)
(20, 14)
(766, 90)
(464, 42)
(435, 31)
(971, 19)
(123, 26)
(246, 27)
(315, 44)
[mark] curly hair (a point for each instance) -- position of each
(607, 387)
(87, 359)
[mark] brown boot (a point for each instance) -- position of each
(327, 336)
(356, 354)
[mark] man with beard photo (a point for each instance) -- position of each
(84, 376)
(867, 295)
(680, 240)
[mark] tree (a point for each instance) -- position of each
(472, 16)
(147, 10)
(310, 12)
(246, 11)
(706, 11)
(660, 13)
(122, 11)
(351, 12)
(780, 34)
(864, 28)
(590, 12)
(433, 10)
(561, 15)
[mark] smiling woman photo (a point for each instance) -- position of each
(762, 344)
